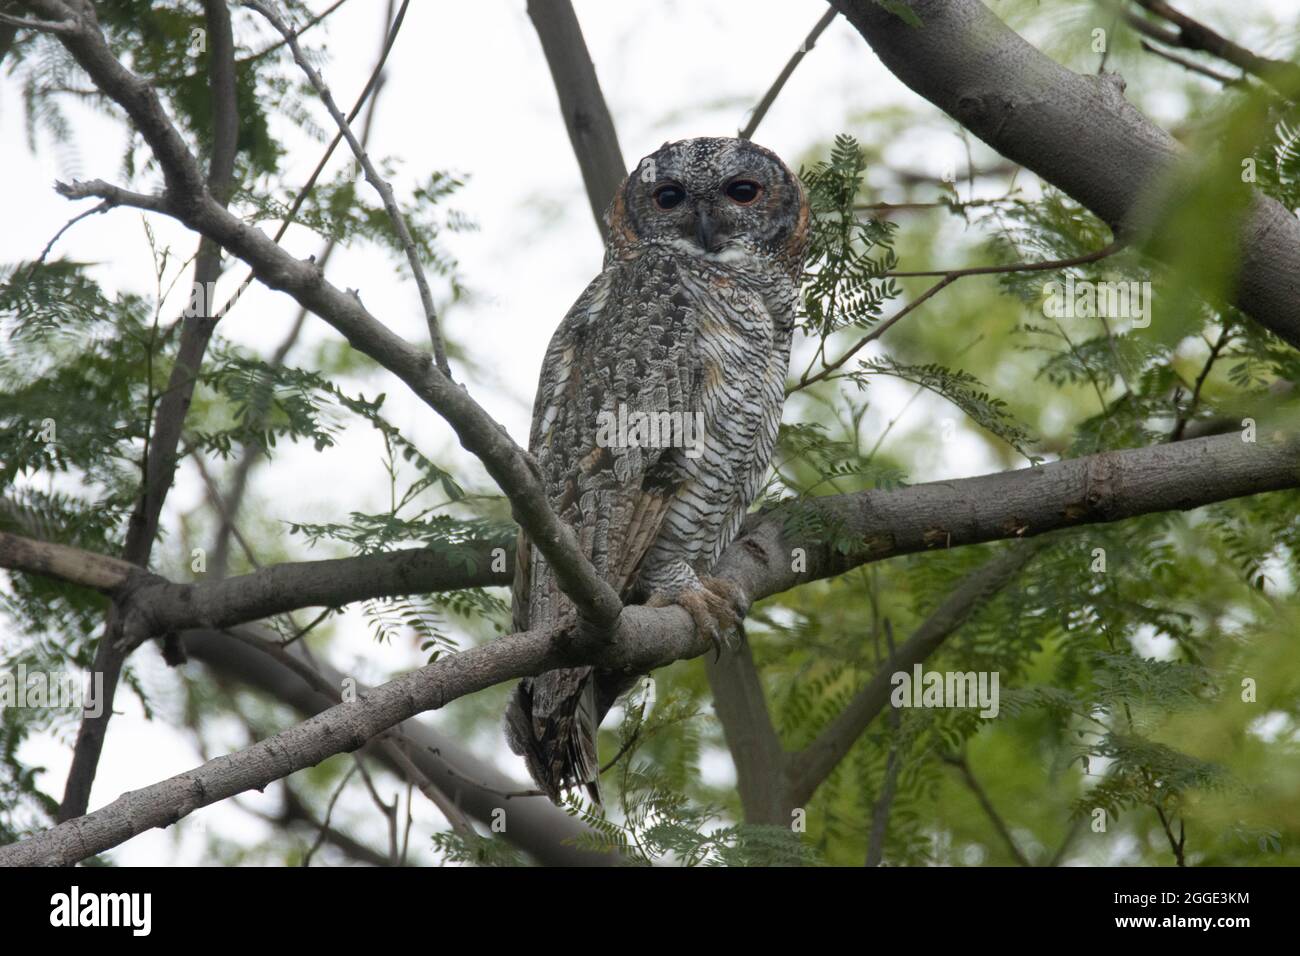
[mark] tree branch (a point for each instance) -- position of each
(880, 810)
(1191, 34)
(642, 638)
(814, 763)
(43, 26)
(220, 558)
(537, 827)
(1191, 65)
(1075, 131)
(765, 104)
(381, 185)
(756, 751)
(949, 277)
(981, 795)
(1104, 487)
(586, 117)
(86, 569)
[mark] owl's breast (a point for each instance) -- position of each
(741, 352)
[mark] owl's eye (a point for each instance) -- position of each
(669, 195)
(743, 191)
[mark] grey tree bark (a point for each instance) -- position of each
(1077, 132)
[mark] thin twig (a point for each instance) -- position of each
(44, 26)
(1178, 844)
(1185, 415)
(765, 104)
(948, 278)
(1075, 828)
(968, 776)
(102, 207)
(381, 185)
(372, 85)
(218, 502)
(1045, 266)
(253, 453)
(1191, 65)
(294, 811)
(877, 332)
(267, 51)
(888, 207)
(395, 746)
(1281, 75)
(329, 811)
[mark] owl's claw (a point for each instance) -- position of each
(734, 595)
(717, 608)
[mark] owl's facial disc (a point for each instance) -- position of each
(723, 198)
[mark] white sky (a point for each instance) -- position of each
(468, 91)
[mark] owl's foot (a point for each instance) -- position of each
(717, 607)
(732, 593)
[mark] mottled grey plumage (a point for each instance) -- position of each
(691, 315)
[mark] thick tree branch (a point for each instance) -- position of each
(278, 589)
(87, 569)
(537, 827)
(756, 751)
(1109, 486)
(586, 117)
(645, 638)
(1076, 131)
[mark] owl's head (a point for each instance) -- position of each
(725, 199)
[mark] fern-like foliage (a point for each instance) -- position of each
(845, 284)
(962, 389)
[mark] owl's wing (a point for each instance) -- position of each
(625, 348)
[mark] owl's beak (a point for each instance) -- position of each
(706, 226)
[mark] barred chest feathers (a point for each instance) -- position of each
(742, 346)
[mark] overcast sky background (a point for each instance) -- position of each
(468, 91)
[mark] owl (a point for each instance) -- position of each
(656, 415)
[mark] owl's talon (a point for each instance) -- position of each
(714, 615)
(731, 592)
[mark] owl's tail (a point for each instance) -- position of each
(551, 722)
